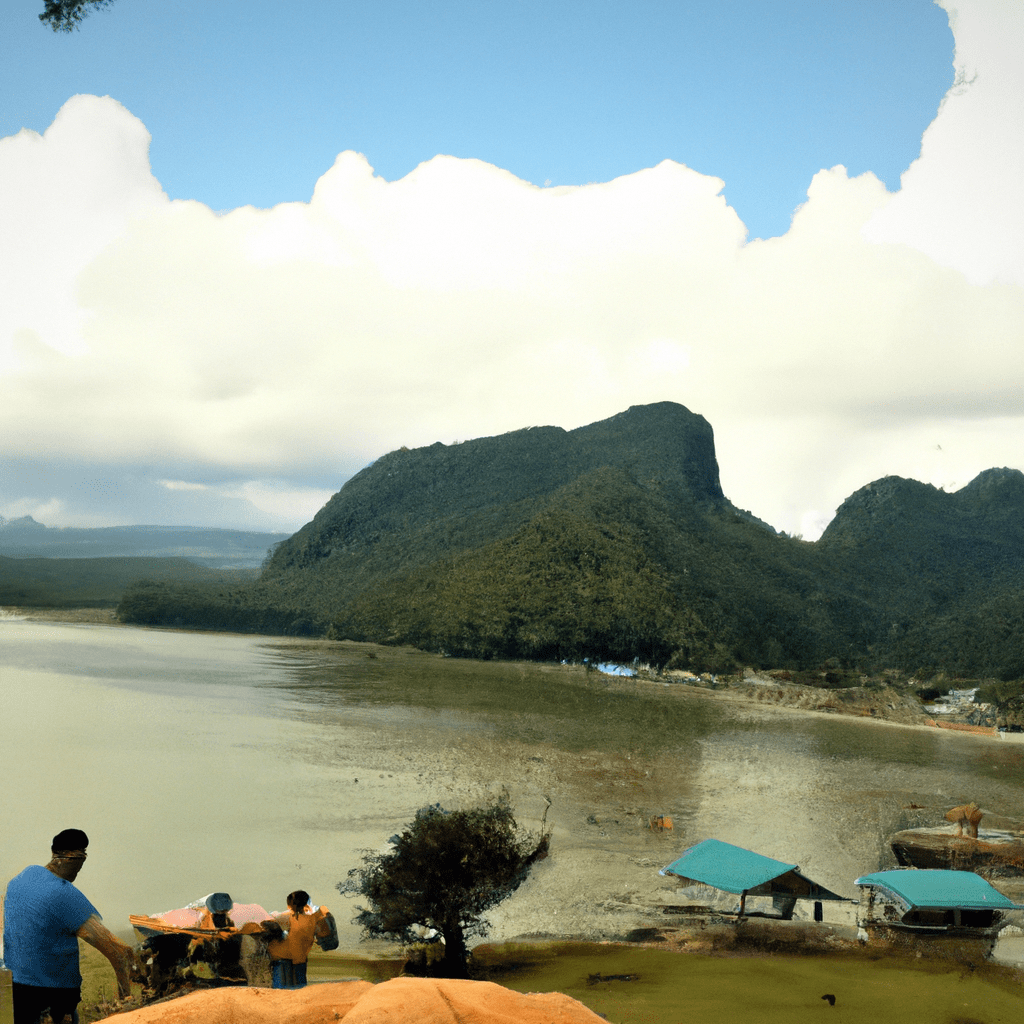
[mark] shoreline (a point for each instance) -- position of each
(883, 705)
(67, 616)
(604, 885)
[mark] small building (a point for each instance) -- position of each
(744, 873)
(933, 902)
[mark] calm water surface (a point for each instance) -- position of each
(201, 762)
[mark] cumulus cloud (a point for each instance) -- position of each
(64, 196)
(961, 201)
(304, 340)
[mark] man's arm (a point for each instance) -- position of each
(122, 958)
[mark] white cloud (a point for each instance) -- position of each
(64, 196)
(284, 506)
(961, 202)
(182, 485)
(47, 512)
(281, 502)
(461, 301)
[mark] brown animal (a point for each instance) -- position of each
(966, 817)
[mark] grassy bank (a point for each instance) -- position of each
(718, 980)
(632, 985)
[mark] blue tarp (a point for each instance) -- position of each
(727, 867)
(932, 887)
(733, 869)
(615, 670)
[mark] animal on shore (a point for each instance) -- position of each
(967, 817)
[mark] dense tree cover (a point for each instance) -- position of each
(442, 874)
(615, 542)
(609, 571)
(945, 572)
(67, 15)
(97, 582)
(219, 606)
(559, 588)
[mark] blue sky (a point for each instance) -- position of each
(294, 237)
(250, 103)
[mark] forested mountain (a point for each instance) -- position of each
(945, 570)
(615, 541)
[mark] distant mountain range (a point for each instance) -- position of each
(615, 540)
(234, 549)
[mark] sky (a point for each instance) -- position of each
(246, 249)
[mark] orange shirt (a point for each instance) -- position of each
(295, 946)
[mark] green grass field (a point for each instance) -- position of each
(643, 985)
(669, 987)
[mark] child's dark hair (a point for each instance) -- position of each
(298, 899)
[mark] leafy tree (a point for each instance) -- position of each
(442, 874)
(65, 15)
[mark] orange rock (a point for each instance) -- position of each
(399, 1001)
(438, 1001)
(315, 1004)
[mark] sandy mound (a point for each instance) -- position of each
(311, 1005)
(413, 1000)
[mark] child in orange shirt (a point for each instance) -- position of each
(303, 925)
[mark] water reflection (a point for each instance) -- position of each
(561, 705)
(207, 762)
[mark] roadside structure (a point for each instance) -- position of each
(743, 873)
(933, 902)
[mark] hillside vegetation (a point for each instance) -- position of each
(98, 582)
(615, 541)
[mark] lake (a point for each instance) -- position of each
(254, 765)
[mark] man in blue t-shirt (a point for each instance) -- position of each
(44, 917)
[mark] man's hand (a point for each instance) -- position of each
(123, 959)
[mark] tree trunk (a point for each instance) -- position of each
(453, 963)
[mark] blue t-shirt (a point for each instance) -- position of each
(42, 914)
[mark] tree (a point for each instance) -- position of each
(441, 874)
(65, 15)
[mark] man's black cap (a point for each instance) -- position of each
(69, 839)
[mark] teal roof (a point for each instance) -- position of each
(935, 888)
(726, 867)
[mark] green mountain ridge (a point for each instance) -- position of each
(616, 541)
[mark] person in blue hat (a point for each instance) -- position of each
(44, 917)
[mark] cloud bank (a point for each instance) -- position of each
(268, 354)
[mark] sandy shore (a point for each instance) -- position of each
(83, 616)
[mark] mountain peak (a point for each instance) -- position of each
(458, 496)
(21, 523)
(1001, 486)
